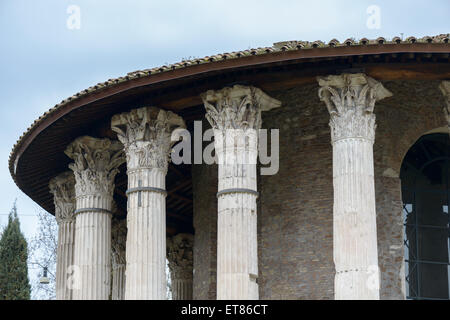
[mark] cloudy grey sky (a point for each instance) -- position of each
(43, 62)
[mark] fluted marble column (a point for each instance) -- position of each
(180, 256)
(350, 99)
(445, 88)
(118, 246)
(146, 136)
(235, 115)
(63, 189)
(95, 167)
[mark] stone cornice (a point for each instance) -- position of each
(237, 107)
(95, 165)
(146, 135)
(180, 256)
(63, 189)
(350, 100)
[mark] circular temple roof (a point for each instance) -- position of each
(38, 154)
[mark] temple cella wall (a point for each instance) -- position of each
(295, 207)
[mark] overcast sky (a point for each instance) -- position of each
(43, 61)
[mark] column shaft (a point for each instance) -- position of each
(63, 189)
(350, 99)
(237, 260)
(118, 282)
(93, 254)
(181, 289)
(65, 257)
(354, 220)
(146, 239)
(235, 115)
(146, 136)
(118, 258)
(95, 168)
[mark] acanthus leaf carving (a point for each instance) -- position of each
(350, 100)
(146, 135)
(63, 189)
(237, 107)
(180, 256)
(95, 165)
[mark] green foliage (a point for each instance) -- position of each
(14, 283)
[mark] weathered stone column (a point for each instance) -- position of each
(95, 167)
(146, 136)
(179, 254)
(118, 245)
(63, 189)
(235, 115)
(350, 99)
(445, 88)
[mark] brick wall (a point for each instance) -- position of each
(204, 188)
(295, 208)
(295, 226)
(415, 109)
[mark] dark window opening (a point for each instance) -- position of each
(425, 176)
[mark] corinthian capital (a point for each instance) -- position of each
(350, 100)
(146, 135)
(118, 242)
(445, 88)
(63, 189)
(95, 165)
(237, 107)
(179, 254)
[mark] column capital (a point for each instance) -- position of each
(180, 256)
(350, 100)
(445, 88)
(146, 135)
(237, 107)
(118, 242)
(63, 189)
(96, 165)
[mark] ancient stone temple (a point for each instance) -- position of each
(305, 170)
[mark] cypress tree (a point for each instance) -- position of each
(14, 282)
